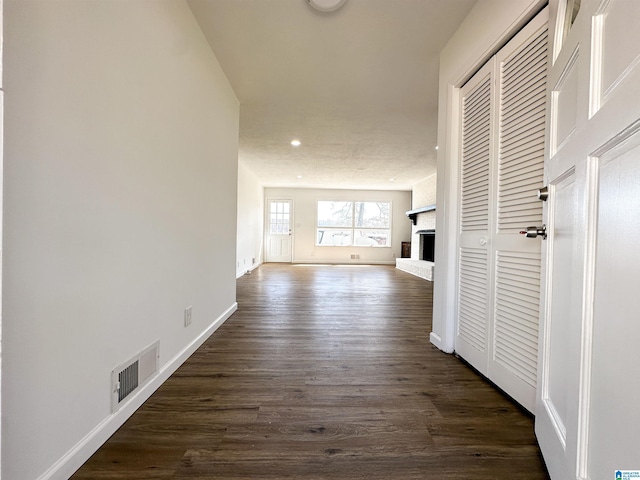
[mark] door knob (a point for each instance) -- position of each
(533, 232)
(543, 193)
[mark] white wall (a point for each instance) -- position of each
(250, 221)
(487, 27)
(120, 211)
(304, 228)
(1, 196)
(424, 194)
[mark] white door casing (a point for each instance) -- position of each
(501, 152)
(587, 414)
(278, 230)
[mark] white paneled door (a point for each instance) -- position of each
(502, 153)
(587, 415)
(278, 234)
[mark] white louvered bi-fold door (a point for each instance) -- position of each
(499, 269)
(473, 254)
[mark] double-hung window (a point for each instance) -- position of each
(364, 224)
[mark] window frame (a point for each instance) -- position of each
(353, 229)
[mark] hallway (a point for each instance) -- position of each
(324, 372)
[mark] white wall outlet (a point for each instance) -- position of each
(187, 316)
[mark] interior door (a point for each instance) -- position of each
(278, 235)
(502, 154)
(587, 414)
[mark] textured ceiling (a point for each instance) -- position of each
(358, 87)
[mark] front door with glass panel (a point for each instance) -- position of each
(278, 238)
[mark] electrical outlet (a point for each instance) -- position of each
(187, 316)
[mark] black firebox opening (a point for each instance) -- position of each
(427, 244)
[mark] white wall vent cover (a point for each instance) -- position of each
(128, 377)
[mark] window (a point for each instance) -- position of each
(279, 218)
(362, 224)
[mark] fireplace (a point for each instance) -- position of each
(421, 262)
(427, 244)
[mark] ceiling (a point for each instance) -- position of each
(358, 87)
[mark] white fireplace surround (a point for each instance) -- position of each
(414, 265)
(419, 268)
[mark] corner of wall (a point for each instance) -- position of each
(250, 230)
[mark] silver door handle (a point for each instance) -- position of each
(543, 193)
(533, 232)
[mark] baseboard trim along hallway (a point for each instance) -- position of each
(75, 457)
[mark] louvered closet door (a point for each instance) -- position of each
(522, 74)
(474, 275)
(502, 154)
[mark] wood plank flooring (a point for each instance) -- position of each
(324, 372)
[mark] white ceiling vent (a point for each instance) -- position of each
(130, 376)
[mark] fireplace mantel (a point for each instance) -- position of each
(413, 214)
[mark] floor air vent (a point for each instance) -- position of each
(130, 376)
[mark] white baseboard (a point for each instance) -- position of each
(240, 273)
(356, 263)
(80, 453)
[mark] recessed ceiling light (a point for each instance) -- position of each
(295, 143)
(436, 147)
(299, 176)
(392, 179)
(326, 5)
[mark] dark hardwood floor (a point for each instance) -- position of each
(324, 372)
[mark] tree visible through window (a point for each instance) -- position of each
(354, 224)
